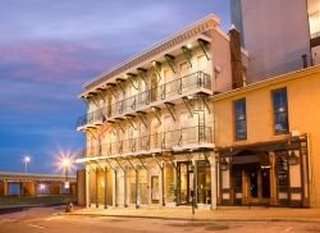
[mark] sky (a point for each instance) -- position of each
(49, 49)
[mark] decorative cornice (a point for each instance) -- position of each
(283, 78)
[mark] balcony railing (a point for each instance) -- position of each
(95, 117)
(180, 139)
(186, 85)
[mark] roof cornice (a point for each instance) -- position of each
(209, 22)
(268, 82)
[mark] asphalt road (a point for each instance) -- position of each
(50, 221)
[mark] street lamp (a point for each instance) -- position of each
(66, 164)
(26, 161)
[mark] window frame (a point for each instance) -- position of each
(274, 112)
(235, 120)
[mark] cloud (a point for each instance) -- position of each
(48, 49)
(43, 61)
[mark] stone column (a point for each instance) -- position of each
(213, 164)
(162, 195)
(87, 187)
(137, 188)
(178, 177)
(149, 188)
(97, 187)
(105, 187)
(195, 181)
(125, 191)
(175, 179)
(115, 189)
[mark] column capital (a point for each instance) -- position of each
(213, 158)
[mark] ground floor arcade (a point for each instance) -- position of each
(164, 180)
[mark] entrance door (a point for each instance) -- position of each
(259, 185)
(251, 184)
(185, 186)
(204, 182)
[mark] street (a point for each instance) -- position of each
(49, 220)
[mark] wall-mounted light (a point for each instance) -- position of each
(224, 165)
(293, 158)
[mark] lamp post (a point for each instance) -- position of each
(26, 161)
(66, 164)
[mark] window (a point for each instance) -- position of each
(283, 171)
(280, 111)
(240, 119)
(185, 69)
(314, 22)
(202, 63)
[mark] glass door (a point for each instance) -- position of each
(185, 183)
(259, 185)
(204, 182)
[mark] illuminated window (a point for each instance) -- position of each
(240, 119)
(280, 111)
(314, 20)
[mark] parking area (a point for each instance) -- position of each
(51, 220)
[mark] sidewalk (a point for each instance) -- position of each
(221, 214)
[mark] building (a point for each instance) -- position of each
(32, 185)
(197, 119)
(281, 36)
(314, 22)
(266, 137)
(149, 124)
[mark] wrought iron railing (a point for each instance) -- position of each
(177, 87)
(91, 118)
(180, 138)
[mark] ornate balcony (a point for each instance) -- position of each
(189, 85)
(91, 120)
(185, 139)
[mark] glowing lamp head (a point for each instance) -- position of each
(189, 46)
(154, 63)
(66, 163)
(27, 159)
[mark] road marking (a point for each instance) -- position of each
(288, 229)
(7, 220)
(36, 226)
(53, 218)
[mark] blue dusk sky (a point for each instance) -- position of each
(48, 49)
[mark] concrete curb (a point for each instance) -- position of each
(194, 218)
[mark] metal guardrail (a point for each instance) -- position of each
(176, 87)
(197, 135)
